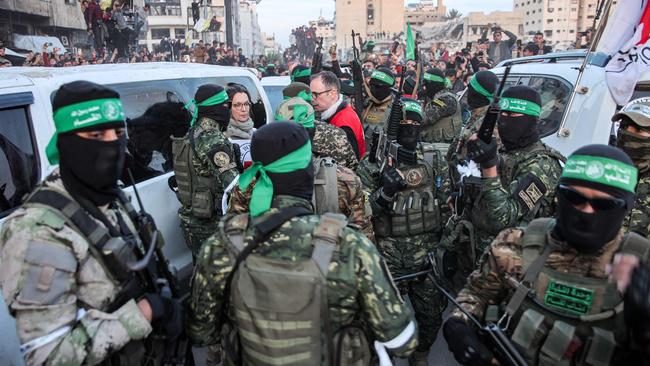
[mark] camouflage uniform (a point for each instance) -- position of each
(213, 157)
(356, 290)
(524, 190)
(442, 118)
(50, 273)
(374, 116)
(457, 153)
(353, 203)
(639, 219)
(502, 267)
(332, 142)
(406, 254)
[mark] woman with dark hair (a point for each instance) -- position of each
(241, 124)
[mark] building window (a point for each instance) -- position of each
(165, 9)
(179, 33)
(548, 33)
(550, 10)
(159, 33)
(549, 21)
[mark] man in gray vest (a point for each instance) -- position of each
(552, 276)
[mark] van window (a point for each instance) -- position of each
(18, 162)
(258, 111)
(555, 96)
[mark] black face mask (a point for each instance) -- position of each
(476, 100)
(432, 88)
(408, 136)
(587, 232)
(517, 132)
(91, 168)
(636, 147)
(380, 91)
(219, 113)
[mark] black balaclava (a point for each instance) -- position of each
(408, 135)
(275, 140)
(301, 74)
(220, 112)
(381, 82)
(409, 85)
(589, 232)
(89, 168)
(487, 84)
(637, 147)
(518, 132)
(434, 81)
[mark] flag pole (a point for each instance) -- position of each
(562, 131)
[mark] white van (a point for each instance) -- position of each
(554, 76)
(26, 126)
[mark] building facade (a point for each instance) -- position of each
(475, 23)
(425, 12)
(559, 20)
(324, 29)
(370, 18)
(62, 19)
(271, 47)
(251, 35)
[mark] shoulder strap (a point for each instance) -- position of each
(635, 244)
(534, 240)
(73, 213)
(325, 239)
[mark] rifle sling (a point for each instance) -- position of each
(524, 287)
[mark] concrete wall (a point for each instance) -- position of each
(350, 15)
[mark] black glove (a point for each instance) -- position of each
(637, 304)
(167, 314)
(482, 153)
(392, 181)
(464, 343)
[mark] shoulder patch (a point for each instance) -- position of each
(220, 157)
(51, 219)
(440, 102)
(530, 191)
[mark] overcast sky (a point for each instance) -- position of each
(280, 16)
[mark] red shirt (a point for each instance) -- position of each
(347, 117)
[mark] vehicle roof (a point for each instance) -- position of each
(118, 72)
(276, 81)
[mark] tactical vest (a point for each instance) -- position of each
(510, 165)
(326, 188)
(566, 319)
(446, 128)
(374, 118)
(199, 194)
(416, 209)
(275, 329)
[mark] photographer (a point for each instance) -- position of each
(499, 50)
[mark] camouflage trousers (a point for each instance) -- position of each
(196, 231)
(407, 255)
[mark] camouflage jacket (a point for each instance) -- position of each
(491, 283)
(638, 220)
(375, 116)
(359, 288)
(352, 200)
(442, 118)
(49, 275)
(457, 153)
(331, 141)
(524, 190)
(213, 156)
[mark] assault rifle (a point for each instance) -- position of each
(357, 77)
(486, 130)
(317, 59)
(153, 270)
(491, 334)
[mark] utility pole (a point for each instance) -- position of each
(229, 21)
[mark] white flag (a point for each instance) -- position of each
(626, 40)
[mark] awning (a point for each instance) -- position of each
(35, 43)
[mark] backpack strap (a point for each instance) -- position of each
(635, 244)
(325, 239)
(234, 229)
(534, 240)
(326, 189)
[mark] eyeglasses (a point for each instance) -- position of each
(244, 105)
(315, 95)
(578, 199)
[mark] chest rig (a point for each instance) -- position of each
(375, 117)
(446, 128)
(416, 209)
(561, 318)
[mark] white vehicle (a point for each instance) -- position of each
(554, 76)
(273, 86)
(26, 126)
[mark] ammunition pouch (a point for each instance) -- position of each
(414, 211)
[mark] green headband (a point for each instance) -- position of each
(383, 77)
(300, 74)
(301, 115)
(263, 190)
(520, 106)
(216, 99)
(411, 106)
(601, 170)
(302, 95)
(81, 115)
(434, 78)
(270, 65)
(480, 89)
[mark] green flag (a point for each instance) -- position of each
(410, 43)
